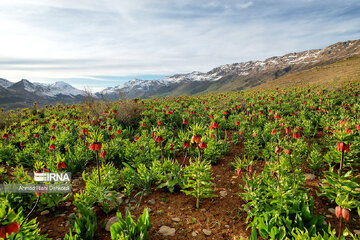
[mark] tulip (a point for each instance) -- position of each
(92, 147)
(345, 214)
(338, 211)
(254, 134)
(159, 123)
(239, 171)
(278, 149)
(143, 124)
(186, 144)
(52, 147)
(12, 228)
(5, 136)
(296, 135)
(340, 146)
(273, 131)
(103, 154)
(237, 123)
(109, 128)
(185, 121)
(203, 145)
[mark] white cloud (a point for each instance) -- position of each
(44, 40)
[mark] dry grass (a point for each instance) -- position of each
(331, 75)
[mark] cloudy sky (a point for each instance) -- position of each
(101, 43)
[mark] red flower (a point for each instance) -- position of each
(328, 128)
(110, 128)
(45, 170)
(278, 116)
(12, 228)
(287, 152)
(338, 211)
(136, 138)
(226, 113)
(340, 146)
(195, 139)
(52, 138)
(185, 121)
(296, 135)
(345, 214)
(273, 131)
(211, 116)
(22, 144)
(186, 144)
(92, 147)
(143, 124)
(254, 134)
(159, 139)
(103, 154)
(215, 125)
(61, 165)
(159, 123)
(278, 149)
(52, 147)
(5, 136)
(36, 136)
(203, 145)
(98, 146)
(237, 123)
(239, 171)
(119, 132)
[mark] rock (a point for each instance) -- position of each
(357, 232)
(176, 219)
(218, 176)
(111, 222)
(45, 212)
(194, 234)
(232, 182)
(71, 215)
(203, 209)
(331, 210)
(62, 215)
(223, 193)
(167, 231)
(227, 226)
(68, 204)
(234, 177)
(76, 181)
(152, 201)
(328, 216)
(309, 176)
(207, 232)
(120, 197)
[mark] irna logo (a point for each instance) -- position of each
(52, 177)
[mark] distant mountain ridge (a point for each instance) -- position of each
(229, 77)
(25, 93)
(236, 76)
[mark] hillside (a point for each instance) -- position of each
(338, 72)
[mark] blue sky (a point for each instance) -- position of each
(101, 43)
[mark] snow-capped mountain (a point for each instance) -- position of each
(236, 76)
(24, 93)
(49, 90)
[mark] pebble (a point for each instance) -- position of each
(227, 226)
(111, 222)
(234, 177)
(223, 193)
(176, 219)
(71, 215)
(45, 212)
(167, 231)
(152, 201)
(68, 204)
(328, 216)
(331, 210)
(67, 224)
(207, 232)
(194, 234)
(309, 176)
(62, 215)
(203, 209)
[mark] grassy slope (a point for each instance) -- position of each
(335, 73)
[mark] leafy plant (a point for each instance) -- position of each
(198, 181)
(128, 229)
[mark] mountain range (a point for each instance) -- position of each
(229, 77)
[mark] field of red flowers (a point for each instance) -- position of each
(270, 164)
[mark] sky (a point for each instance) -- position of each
(95, 44)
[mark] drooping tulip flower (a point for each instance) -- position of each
(203, 145)
(103, 154)
(338, 211)
(278, 149)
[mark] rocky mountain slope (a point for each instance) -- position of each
(236, 76)
(24, 93)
